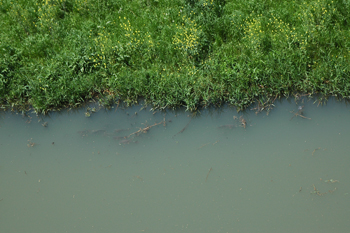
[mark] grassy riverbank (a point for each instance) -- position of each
(59, 53)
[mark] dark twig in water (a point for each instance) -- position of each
(184, 127)
(208, 174)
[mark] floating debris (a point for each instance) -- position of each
(300, 113)
(242, 121)
(30, 143)
(331, 181)
(316, 191)
(145, 130)
(89, 111)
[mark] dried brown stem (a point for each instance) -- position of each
(145, 130)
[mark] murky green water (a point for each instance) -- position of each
(79, 175)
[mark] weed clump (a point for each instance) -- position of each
(192, 53)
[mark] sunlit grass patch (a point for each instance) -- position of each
(190, 53)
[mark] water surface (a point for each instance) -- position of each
(133, 170)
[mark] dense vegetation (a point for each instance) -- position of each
(192, 53)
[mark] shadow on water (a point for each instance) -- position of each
(133, 170)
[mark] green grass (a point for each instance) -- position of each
(61, 53)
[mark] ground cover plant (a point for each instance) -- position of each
(192, 53)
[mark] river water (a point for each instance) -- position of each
(134, 170)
